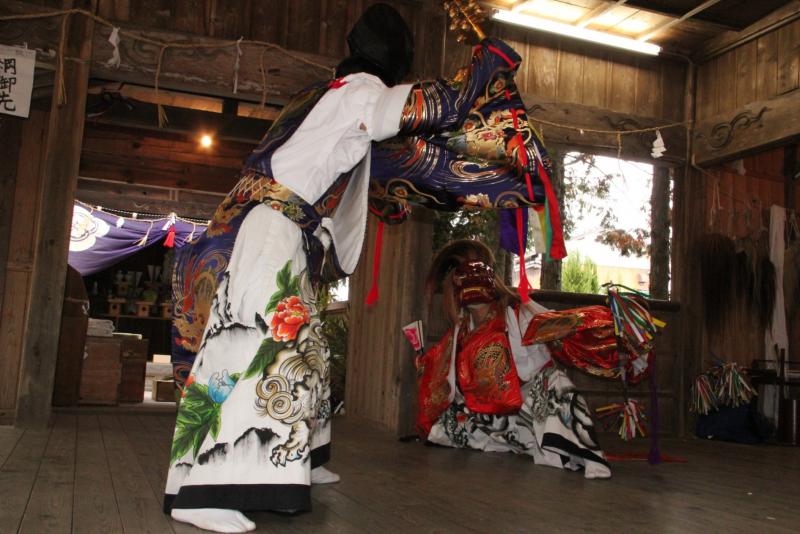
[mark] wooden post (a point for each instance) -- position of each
(60, 174)
(659, 234)
(551, 270)
(11, 134)
(381, 378)
(791, 173)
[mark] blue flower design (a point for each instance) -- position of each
(220, 386)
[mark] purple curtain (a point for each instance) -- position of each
(99, 240)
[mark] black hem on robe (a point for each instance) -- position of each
(242, 497)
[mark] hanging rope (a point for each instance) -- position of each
(61, 97)
(162, 45)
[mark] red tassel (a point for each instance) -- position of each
(524, 286)
(372, 296)
(169, 242)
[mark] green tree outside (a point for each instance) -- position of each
(579, 275)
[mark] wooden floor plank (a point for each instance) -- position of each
(9, 436)
(150, 457)
(95, 508)
(388, 486)
(18, 475)
(50, 505)
(139, 510)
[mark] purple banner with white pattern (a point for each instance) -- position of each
(98, 239)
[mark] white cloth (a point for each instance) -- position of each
(776, 337)
(334, 138)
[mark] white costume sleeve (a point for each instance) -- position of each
(335, 138)
(336, 134)
(529, 359)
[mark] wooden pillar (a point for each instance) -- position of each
(11, 134)
(791, 173)
(659, 234)
(60, 174)
(381, 378)
(551, 269)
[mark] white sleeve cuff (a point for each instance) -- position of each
(388, 109)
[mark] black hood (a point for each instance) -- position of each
(380, 44)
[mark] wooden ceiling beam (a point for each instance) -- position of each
(599, 10)
(205, 71)
(636, 147)
(143, 115)
(663, 8)
(670, 23)
(753, 127)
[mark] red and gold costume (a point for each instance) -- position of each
(481, 387)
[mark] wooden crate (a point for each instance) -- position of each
(164, 390)
(102, 371)
(134, 363)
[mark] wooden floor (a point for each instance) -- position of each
(105, 473)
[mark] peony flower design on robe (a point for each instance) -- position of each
(289, 316)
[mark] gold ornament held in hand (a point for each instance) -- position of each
(465, 15)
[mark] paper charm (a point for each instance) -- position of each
(658, 146)
(114, 61)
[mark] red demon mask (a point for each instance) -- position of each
(474, 281)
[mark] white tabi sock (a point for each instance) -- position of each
(214, 519)
(320, 475)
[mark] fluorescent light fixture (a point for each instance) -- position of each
(569, 30)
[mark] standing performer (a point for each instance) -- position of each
(480, 388)
(253, 426)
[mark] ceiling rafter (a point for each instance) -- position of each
(597, 12)
(670, 23)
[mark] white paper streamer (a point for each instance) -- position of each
(236, 65)
(114, 61)
(658, 146)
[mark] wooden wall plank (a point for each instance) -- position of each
(623, 83)
(334, 23)
(595, 81)
(648, 87)
(304, 25)
(673, 83)
(725, 82)
(570, 72)
(543, 72)
(766, 66)
(746, 77)
(705, 98)
(789, 58)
